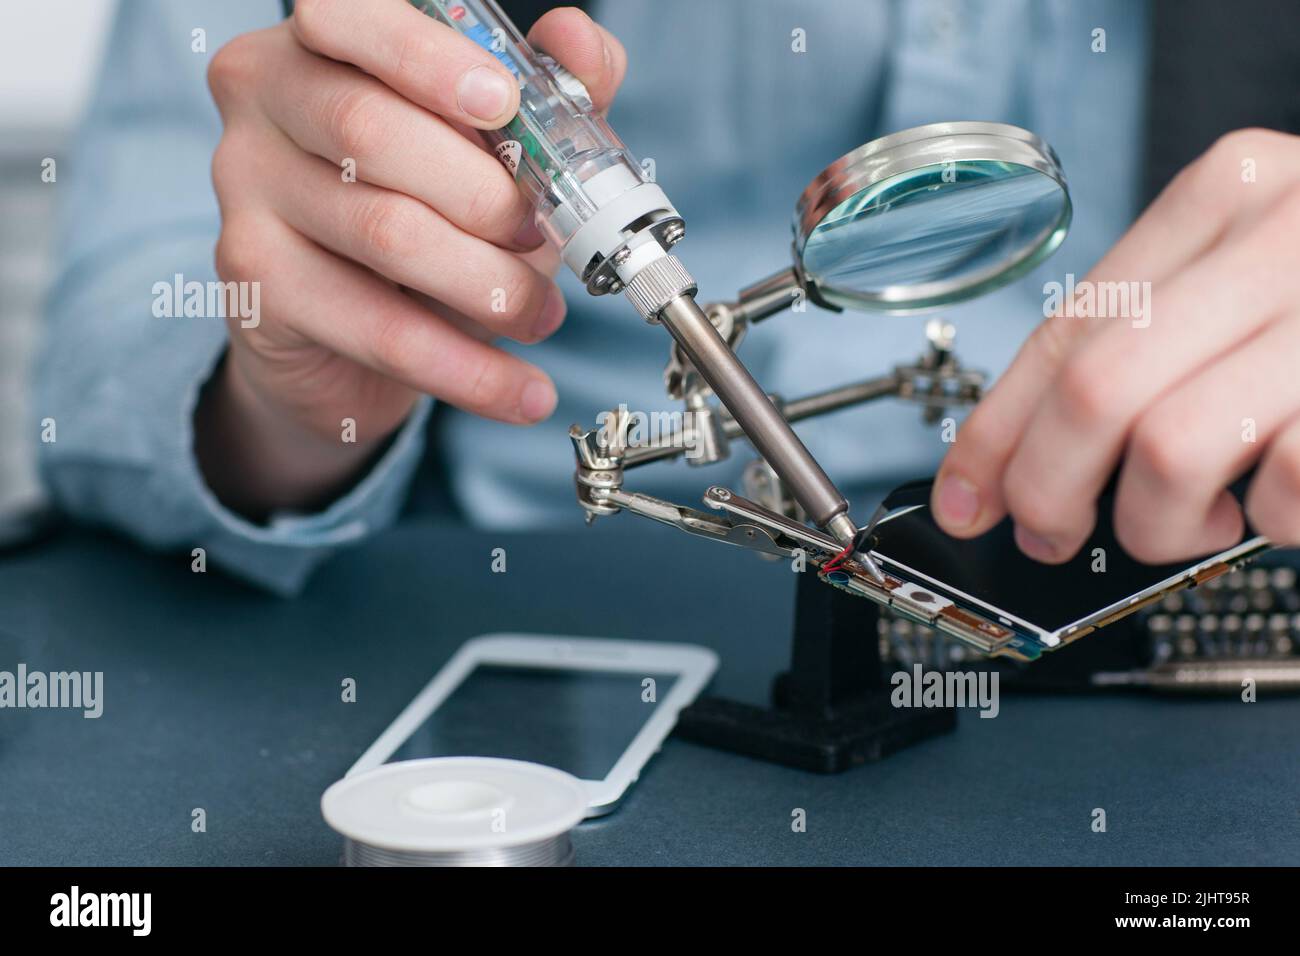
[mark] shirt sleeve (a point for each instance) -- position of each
(115, 385)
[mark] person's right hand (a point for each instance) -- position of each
(375, 290)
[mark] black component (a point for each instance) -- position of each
(1255, 51)
(27, 526)
(993, 569)
(831, 710)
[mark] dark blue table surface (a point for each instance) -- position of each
(220, 697)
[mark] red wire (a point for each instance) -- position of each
(834, 563)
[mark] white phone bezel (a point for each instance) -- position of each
(692, 666)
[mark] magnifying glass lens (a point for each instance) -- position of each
(908, 227)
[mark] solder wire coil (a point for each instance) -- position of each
(457, 811)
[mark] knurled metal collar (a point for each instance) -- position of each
(658, 284)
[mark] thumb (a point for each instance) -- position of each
(585, 49)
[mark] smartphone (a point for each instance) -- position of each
(985, 592)
(597, 709)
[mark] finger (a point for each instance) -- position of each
(967, 497)
(1201, 204)
(340, 114)
(427, 62)
(1273, 502)
(404, 240)
(1197, 439)
(618, 57)
(1073, 441)
(585, 49)
(457, 320)
(1185, 221)
(545, 259)
(354, 313)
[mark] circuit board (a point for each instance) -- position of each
(995, 634)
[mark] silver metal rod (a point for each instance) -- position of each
(1207, 676)
(836, 398)
(818, 403)
(766, 298)
(765, 426)
(669, 447)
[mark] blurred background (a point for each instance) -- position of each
(49, 56)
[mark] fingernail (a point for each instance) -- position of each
(958, 501)
(552, 314)
(528, 236)
(1036, 546)
(483, 92)
(537, 400)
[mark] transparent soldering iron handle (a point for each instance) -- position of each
(564, 156)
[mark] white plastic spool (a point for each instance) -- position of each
(456, 811)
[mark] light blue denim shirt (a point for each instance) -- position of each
(736, 121)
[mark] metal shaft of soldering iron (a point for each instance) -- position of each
(763, 424)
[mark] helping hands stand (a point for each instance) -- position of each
(831, 710)
(977, 205)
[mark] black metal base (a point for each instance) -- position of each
(862, 732)
(832, 709)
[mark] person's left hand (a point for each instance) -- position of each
(1189, 390)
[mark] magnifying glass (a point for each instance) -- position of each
(921, 219)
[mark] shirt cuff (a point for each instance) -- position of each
(281, 553)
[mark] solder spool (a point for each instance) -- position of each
(456, 811)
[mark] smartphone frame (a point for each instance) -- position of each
(692, 666)
(1052, 638)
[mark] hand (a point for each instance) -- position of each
(1189, 389)
(374, 290)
